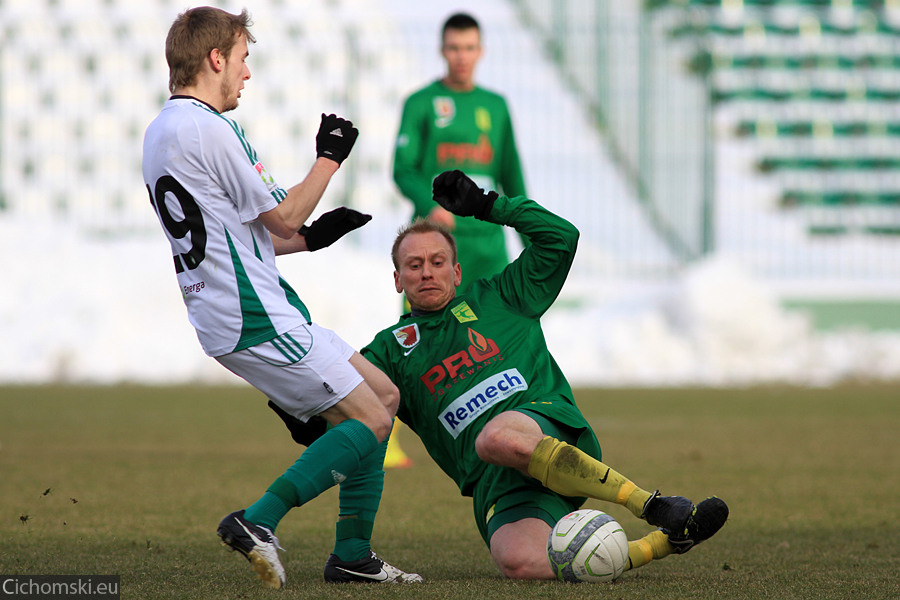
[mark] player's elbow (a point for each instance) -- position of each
(390, 398)
(278, 223)
(571, 235)
(569, 242)
(284, 233)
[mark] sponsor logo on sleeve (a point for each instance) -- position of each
(266, 178)
(407, 336)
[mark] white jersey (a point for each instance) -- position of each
(208, 188)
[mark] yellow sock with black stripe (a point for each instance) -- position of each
(653, 546)
(568, 471)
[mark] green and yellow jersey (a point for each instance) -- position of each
(485, 352)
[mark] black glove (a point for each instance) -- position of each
(335, 138)
(332, 226)
(457, 193)
(303, 433)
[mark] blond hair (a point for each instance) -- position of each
(421, 225)
(196, 33)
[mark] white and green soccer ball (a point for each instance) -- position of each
(587, 545)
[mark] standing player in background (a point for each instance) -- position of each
(454, 124)
(226, 219)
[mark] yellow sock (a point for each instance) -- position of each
(653, 546)
(568, 471)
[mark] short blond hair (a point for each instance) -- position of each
(421, 225)
(197, 32)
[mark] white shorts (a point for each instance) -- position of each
(304, 371)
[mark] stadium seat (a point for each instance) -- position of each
(797, 75)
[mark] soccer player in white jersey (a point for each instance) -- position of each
(226, 219)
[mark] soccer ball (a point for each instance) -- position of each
(587, 545)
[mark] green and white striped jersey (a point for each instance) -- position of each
(208, 187)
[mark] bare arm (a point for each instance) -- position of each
(284, 220)
(295, 244)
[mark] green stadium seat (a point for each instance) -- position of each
(837, 198)
(828, 163)
(773, 94)
(809, 129)
(820, 4)
(792, 69)
(882, 229)
(703, 62)
(808, 22)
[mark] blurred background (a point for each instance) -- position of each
(733, 166)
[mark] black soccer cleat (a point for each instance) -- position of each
(366, 570)
(704, 521)
(667, 512)
(257, 543)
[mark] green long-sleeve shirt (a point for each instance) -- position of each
(485, 352)
(443, 129)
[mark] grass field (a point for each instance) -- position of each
(132, 481)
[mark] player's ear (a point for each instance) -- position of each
(397, 285)
(457, 275)
(216, 60)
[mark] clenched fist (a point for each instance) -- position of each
(335, 138)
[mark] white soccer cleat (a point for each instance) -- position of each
(257, 543)
(366, 570)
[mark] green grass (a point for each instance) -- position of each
(133, 481)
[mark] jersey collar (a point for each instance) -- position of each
(186, 97)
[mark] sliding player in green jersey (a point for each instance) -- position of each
(480, 388)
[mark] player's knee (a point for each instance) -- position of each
(390, 398)
(518, 566)
(490, 443)
(376, 418)
(381, 427)
(499, 445)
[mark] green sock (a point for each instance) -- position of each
(358, 500)
(329, 460)
(267, 511)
